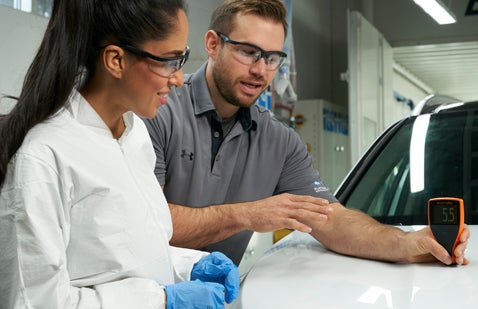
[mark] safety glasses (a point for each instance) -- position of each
(247, 53)
(163, 66)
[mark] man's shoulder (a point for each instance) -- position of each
(177, 99)
(179, 91)
(266, 119)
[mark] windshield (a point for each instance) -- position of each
(429, 156)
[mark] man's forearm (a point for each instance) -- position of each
(352, 232)
(199, 227)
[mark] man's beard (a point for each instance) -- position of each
(225, 87)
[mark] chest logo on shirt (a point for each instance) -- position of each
(187, 155)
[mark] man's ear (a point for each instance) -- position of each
(114, 60)
(212, 42)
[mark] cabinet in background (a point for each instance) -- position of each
(324, 128)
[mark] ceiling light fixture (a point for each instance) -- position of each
(437, 10)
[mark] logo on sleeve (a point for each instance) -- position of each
(319, 187)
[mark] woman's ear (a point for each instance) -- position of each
(114, 60)
(212, 42)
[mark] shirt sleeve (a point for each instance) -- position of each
(184, 260)
(158, 132)
(34, 236)
(298, 175)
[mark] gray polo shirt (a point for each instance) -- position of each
(258, 157)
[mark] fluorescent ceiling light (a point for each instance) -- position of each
(437, 10)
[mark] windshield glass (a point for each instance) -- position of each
(429, 156)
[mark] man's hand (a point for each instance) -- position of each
(352, 232)
(284, 211)
(424, 248)
(202, 226)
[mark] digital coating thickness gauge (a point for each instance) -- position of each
(446, 217)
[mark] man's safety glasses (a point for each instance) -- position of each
(164, 66)
(247, 53)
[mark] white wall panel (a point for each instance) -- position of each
(20, 34)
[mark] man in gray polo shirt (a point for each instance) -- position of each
(204, 161)
(229, 168)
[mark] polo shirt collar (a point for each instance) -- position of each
(244, 116)
(202, 101)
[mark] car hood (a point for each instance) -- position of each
(299, 272)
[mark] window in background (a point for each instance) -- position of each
(38, 7)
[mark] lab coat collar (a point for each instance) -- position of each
(81, 110)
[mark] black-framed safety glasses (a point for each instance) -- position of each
(164, 66)
(247, 53)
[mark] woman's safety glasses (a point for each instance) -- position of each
(163, 66)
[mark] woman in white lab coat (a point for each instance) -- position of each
(83, 220)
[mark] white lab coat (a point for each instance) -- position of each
(83, 220)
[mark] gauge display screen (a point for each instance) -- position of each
(445, 212)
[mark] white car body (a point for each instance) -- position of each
(390, 184)
(298, 272)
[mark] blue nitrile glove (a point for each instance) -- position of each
(195, 294)
(216, 267)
